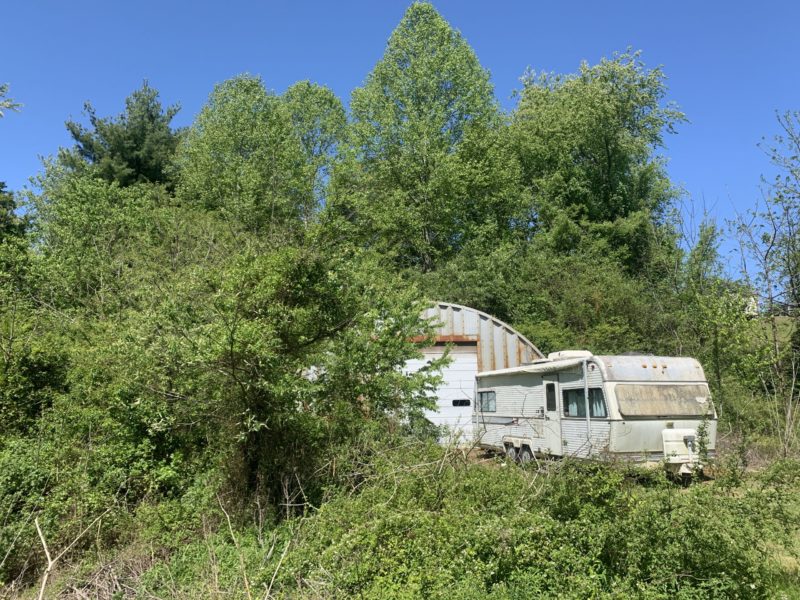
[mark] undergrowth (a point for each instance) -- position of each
(422, 522)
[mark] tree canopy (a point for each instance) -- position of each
(320, 122)
(243, 158)
(135, 147)
(427, 167)
(587, 145)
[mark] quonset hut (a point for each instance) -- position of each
(478, 342)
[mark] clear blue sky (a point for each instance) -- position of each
(730, 65)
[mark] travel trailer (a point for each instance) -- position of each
(572, 403)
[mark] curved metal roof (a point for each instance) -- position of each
(499, 345)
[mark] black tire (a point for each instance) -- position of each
(525, 455)
(511, 452)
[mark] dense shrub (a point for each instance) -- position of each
(425, 524)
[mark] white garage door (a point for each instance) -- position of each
(456, 393)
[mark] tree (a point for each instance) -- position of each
(714, 325)
(783, 212)
(242, 157)
(320, 122)
(771, 258)
(7, 103)
(428, 167)
(137, 146)
(165, 353)
(10, 224)
(587, 146)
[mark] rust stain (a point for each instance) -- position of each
(458, 325)
(447, 339)
(456, 339)
(450, 319)
(493, 364)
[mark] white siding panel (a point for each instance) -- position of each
(573, 432)
(458, 383)
(518, 396)
(490, 435)
(595, 376)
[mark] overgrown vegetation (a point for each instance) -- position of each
(419, 521)
(203, 333)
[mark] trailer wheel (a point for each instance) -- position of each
(525, 455)
(511, 452)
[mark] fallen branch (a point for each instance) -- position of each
(51, 562)
(242, 564)
(268, 595)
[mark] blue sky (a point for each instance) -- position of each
(730, 65)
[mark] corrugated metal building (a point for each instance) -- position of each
(478, 342)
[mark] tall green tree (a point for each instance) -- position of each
(588, 145)
(242, 157)
(598, 208)
(428, 167)
(784, 205)
(31, 364)
(10, 223)
(320, 122)
(137, 146)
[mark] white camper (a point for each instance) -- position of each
(572, 403)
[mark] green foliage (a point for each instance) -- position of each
(588, 140)
(11, 225)
(7, 103)
(243, 158)
(585, 299)
(768, 237)
(90, 234)
(320, 122)
(31, 365)
(591, 257)
(587, 143)
(428, 165)
(135, 147)
(155, 355)
(425, 524)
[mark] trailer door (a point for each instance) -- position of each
(552, 424)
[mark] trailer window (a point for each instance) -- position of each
(488, 401)
(663, 400)
(575, 403)
(551, 396)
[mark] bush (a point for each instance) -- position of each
(426, 524)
